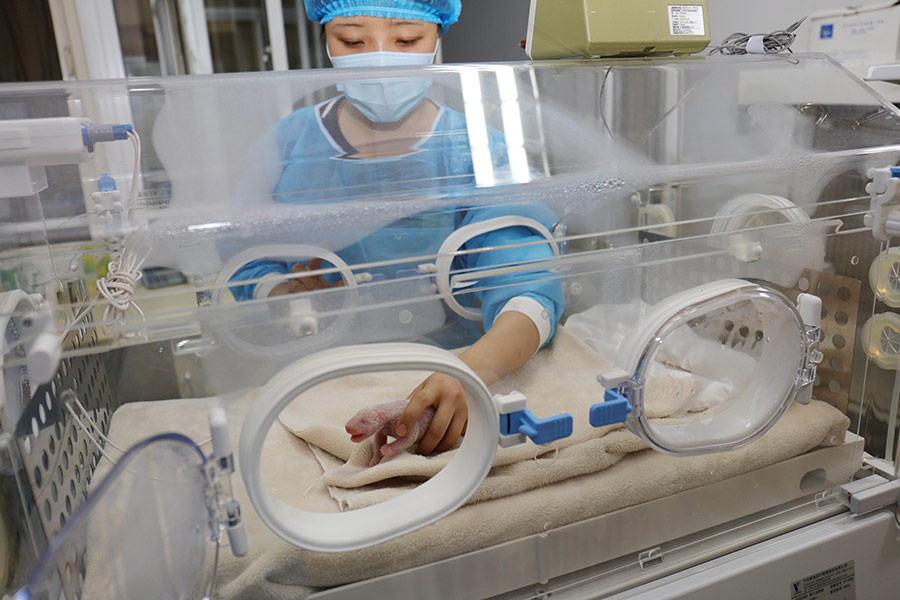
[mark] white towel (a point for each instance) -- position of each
(275, 570)
(639, 477)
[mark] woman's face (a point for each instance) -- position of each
(356, 35)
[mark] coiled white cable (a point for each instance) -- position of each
(124, 271)
(764, 43)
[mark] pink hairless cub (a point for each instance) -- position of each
(381, 420)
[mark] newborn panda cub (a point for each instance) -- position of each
(381, 421)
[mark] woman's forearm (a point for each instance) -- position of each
(510, 343)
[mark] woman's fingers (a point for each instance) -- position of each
(454, 431)
(443, 415)
(419, 400)
(312, 282)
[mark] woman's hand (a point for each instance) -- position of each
(448, 398)
(304, 284)
(508, 345)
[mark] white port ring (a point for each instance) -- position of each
(273, 252)
(286, 252)
(434, 499)
(461, 237)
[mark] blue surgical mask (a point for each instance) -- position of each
(389, 99)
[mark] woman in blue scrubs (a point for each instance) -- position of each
(385, 137)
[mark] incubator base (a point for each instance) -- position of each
(831, 560)
(620, 550)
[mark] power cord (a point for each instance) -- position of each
(759, 43)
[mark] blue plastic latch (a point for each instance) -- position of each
(614, 409)
(541, 431)
(895, 172)
(106, 183)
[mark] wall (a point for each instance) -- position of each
(488, 30)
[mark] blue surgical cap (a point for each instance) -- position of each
(443, 12)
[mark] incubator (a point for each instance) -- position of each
(686, 242)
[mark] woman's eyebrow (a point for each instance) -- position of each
(338, 25)
(414, 23)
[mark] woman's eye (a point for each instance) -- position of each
(352, 43)
(407, 42)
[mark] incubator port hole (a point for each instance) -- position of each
(813, 481)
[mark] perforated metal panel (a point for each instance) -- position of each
(57, 459)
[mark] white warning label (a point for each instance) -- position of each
(836, 583)
(686, 20)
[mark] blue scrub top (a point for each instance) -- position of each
(319, 165)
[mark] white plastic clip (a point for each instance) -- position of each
(810, 308)
(744, 250)
(43, 348)
(506, 404)
(223, 459)
(613, 378)
(883, 191)
(757, 45)
(303, 318)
